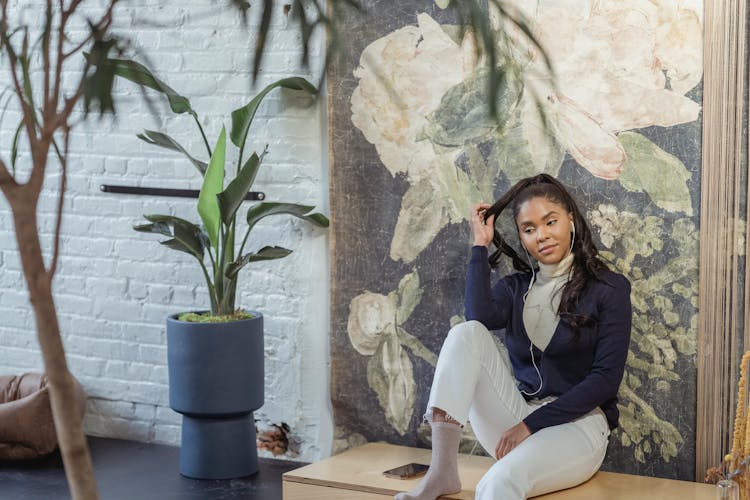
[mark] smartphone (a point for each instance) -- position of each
(406, 471)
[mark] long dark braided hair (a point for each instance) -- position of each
(586, 265)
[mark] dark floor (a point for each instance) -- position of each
(127, 470)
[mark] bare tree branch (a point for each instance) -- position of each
(72, 8)
(99, 27)
(5, 178)
(55, 97)
(23, 199)
(45, 58)
(28, 111)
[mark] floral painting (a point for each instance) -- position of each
(413, 149)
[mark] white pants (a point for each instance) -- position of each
(474, 380)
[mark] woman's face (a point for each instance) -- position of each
(545, 229)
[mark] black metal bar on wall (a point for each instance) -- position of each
(181, 193)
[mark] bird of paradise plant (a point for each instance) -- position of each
(213, 244)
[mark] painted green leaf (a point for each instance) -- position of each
(417, 348)
(391, 376)
(432, 203)
(652, 170)
(513, 152)
(410, 295)
(640, 422)
(423, 214)
(213, 182)
(462, 116)
(457, 189)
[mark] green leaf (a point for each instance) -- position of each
(156, 228)
(242, 118)
(652, 170)
(171, 220)
(410, 295)
(390, 374)
(462, 116)
(175, 244)
(518, 151)
(417, 347)
(231, 198)
(261, 210)
(190, 239)
(164, 141)
(97, 87)
(186, 236)
(425, 208)
(141, 75)
(317, 219)
(265, 253)
(213, 182)
(24, 60)
(14, 147)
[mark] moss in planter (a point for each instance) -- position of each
(207, 317)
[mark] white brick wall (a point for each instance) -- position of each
(114, 287)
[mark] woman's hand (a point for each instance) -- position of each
(510, 439)
(482, 230)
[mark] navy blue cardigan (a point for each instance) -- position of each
(583, 373)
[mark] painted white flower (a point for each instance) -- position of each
(619, 65)
(402, 79)
(371, 315)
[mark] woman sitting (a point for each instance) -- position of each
(544, 409)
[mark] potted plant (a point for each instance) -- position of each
(215, 358)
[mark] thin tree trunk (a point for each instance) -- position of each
(68, 423)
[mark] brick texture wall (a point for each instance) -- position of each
(114, 287)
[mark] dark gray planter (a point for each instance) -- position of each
(216, 381)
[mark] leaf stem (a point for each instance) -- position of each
(203, 134)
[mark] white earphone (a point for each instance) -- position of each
(533, 273)
(531, 344)
(573, 237)
(531, 283)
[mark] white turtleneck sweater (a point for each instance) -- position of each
(540, 316)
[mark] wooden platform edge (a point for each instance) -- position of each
(357, 470)
(339, 485)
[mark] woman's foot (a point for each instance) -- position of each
(442, 476)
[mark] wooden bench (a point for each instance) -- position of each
(356, 474)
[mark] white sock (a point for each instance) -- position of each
(442, 476)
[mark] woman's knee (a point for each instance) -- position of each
(503, 481)
(470, 332)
